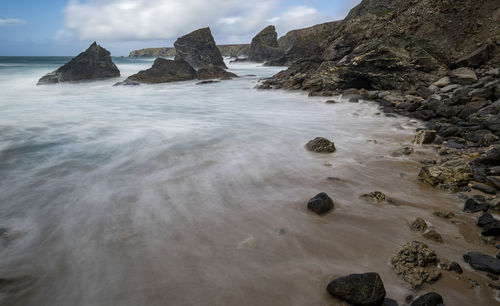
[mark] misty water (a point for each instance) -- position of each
(185, 194)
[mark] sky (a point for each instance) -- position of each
(67, 27)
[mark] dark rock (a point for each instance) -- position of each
(320, 204)
(483, 262)
(425, 137)
(475, 205)
(375, 196)
(390, 302)
(359, 289)
(419, 225)
(429, 299)
(493, 181)
(491, 229)
(164, 70)
(451, 266)
(485, 219)
(199, 50)
(214, 73)
(476, 58)
(207, 82)
(93, 63)
(433, 235)
(484, 188)
(321, 145)
(264, 46)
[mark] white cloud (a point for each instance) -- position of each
(63, 35)
(11, 22)
(132, 20)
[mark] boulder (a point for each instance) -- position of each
(483, 262)
(359, 289)
(425, 137)
(320, 204)
(164, 70)
(419, 225)
(264, 46)
(199, 50)
(476, 204)
(429, 299)
(442, 82)
(321, 145)
(484, 188)
(451, 172)
(93, 63)
(463, 76)
(491, 229)
(416, 264)
(485, 219)
(214, 73)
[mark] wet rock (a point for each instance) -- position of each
(199, 50)
(416, 264)
(485, 219)
(321, 145)
(493, 181)
(403, 151)
(390, 302)
(375, 196)
(451, 172)
(476, 204)
(444, 214)
(463, 76)
(419, 225)
(483, 262)
(491, 229)
(484, 188)
(264, 46)
(214, 73)
(93, 63)
(164, 70)
(429, 299)
(433, 235)
(320, 204)
(425, 137)
(451, 266)
(495, 203)
(442, 82)
(207, 82)
(359, 289)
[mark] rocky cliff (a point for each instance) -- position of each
(233, 50)
(199, 50)
(264, 46)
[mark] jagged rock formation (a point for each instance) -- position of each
(93, 63)
(264, 46)
(162, 71)
(199, 50)
(153, 52)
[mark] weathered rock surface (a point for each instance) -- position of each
(164, 70)
(264, 46)
(450, 172)
(153, 52)
(359, 289)
(320, 204)
(199, 50)
(416, 264)
(429, 299)
(485, 219)
(321, 145)
(375, 196)
(424, 137)
(483, 262)
(214, 73)
(476, 204)
(93, 63)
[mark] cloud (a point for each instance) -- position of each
(63, 35)
(133, 20)
(11, 22)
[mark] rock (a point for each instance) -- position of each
(493, 181)
(495, 204)
(93, 63)
(476, 58)
(321, 145)
(484, 188)
(264, 46)
(429, 299)
(463, 76)
(483, 262)
(359, 289)
(425, 137)
(199, 50)
(442, 82)
(449, 88)
(207, 82)
(451, 266)
(375, 196)
(153, 52)
(419, 225)
(485, 219)
(403, 151)
(433, 235)
(444, 214)
(491, 229)
(451, 172)
(390, 302)
(475, 204)
(214, 73)
(164, 70)
(416, 264)
(320, 204)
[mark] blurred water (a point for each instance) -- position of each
(184, 194)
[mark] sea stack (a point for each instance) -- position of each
(163, 71)
(199, 50)
(93, 63)
(264, 46)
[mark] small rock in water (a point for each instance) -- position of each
(375, 196)
(433, 235)
(483, 262)
(359, 289)
(444, 214)
(207, 82)
(451, 266)
(429, 299)
(321, 145)
(331, 102)
(475, 204)
(403, 151)
(320, 204)
(485, 219)
(419, 225)
(425, 137)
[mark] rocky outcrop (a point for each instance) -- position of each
(162, 71)
(199, 50)
(264, 46)
(153, 52)
(93, 63)
(359, 289)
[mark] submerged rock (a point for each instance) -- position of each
(264, 46)
(375, 196)
(433, 235)
(444, 214)
(164, 70)
(359, 289)
(419, 225)
(429, 299)
(93, 63)
(320, 204)
(321, 145)
(451, 266)
(199, 50)
(483, 262)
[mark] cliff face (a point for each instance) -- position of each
(264, 46)
(233, 50)
(393, 45)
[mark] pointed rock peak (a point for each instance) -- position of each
(269, 28)
(199, 50)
